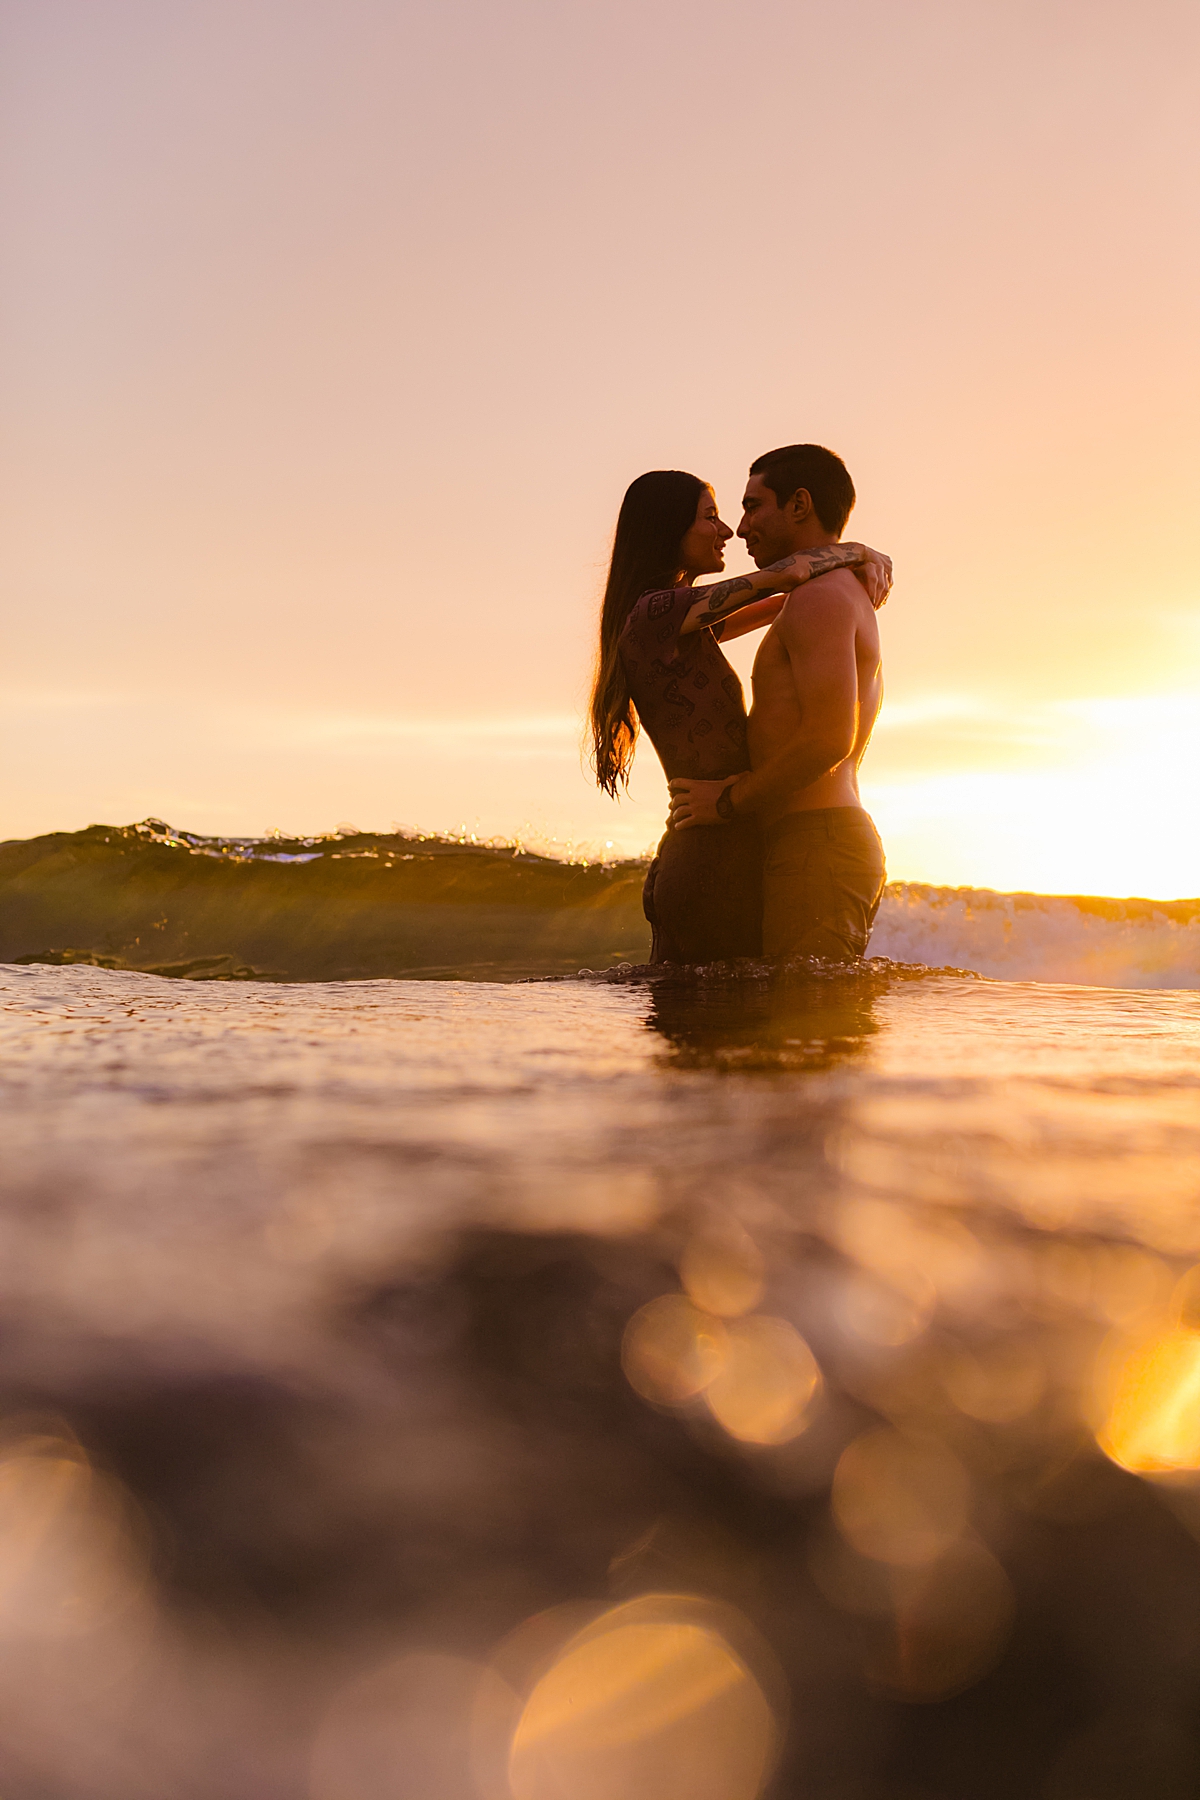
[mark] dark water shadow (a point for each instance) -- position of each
(773, 1024)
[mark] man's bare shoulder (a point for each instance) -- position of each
(828, 604)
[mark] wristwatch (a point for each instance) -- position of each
(725, 803)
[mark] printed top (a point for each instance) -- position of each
(687, 696)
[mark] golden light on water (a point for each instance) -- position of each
(672, 1350)
(768, 1377)
(908, 1263)
(1153, 1417)
(723, 1275)
(651, 1699)
(756, 1373)
(899, 1500)
(1146, 1390)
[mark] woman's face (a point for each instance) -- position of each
(702, 551)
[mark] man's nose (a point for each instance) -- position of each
(743, 528)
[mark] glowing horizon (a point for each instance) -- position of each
(1045, 808)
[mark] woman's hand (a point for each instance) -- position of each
(875, 573)
(873, 569)
(695, 802)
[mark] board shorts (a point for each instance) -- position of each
(703, 894)
(823, 879)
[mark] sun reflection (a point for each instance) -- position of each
(652, 1698)
(1153, 1416)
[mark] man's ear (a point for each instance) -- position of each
(800, 506)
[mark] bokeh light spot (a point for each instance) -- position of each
(768, 1377)
(651, 1700)
(919, 1258)
(1152, 1420)
(900, 1500)
(949, 1625)
(723, 1275)
(69, 1553)
(672, 1350)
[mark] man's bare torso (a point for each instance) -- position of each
(797, 654)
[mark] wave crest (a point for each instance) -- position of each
(350, 905)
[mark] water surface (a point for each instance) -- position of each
(330, 1363)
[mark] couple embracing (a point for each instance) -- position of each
(768, 850)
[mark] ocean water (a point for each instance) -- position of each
(354, 905)
(589, 1388)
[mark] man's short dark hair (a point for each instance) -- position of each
(809, 466)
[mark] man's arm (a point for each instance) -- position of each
(789, 572)
(819, 639)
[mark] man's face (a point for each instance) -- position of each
(768, 528)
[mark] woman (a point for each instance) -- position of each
(660, 667)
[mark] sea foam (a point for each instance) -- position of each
(1091, 941)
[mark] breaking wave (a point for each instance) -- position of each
(356, 905)
(1085, 939)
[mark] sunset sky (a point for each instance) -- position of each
(333, 331)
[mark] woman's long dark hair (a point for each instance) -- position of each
(658, 511)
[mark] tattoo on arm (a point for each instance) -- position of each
(820, 562)
(720, 596)
(726, 596)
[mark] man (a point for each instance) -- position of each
(818, 684)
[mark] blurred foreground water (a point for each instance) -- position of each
(598, 1391)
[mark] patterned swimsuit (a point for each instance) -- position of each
(688, 697)
(703, 893)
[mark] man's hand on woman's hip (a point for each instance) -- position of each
(699, 803)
